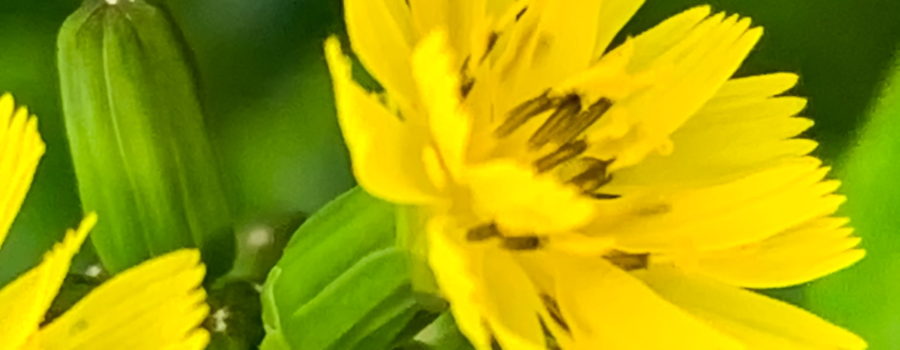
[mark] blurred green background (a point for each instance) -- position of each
(270, 112)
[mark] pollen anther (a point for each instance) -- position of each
(524, 112)
(568, 108)
(626, 261)
(594, 176)
(522, 242)
(560, 155)
(483, 232)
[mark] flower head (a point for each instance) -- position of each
(156, 305)
(592, 196)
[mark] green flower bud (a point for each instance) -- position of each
(137, 136)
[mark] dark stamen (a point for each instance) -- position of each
(466, 87)
(626, 261)
(568, 108)
(583, 120)
(521, 242)
(561, 155)
(466, 82)
(521, 13)
(553, 309)
(483, 232)
(567, 128)
(594, 176)
(523, 112)
(604, 196)
(491, 42)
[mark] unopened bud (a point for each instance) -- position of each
(137, 136)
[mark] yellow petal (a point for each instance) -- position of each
(760, 322)
(523, 203)
(512, 302)
(752, 208)
(24, 302)
(382, 38)
(740, 131)
(387, 152)
(157, 305)
(462, 20)
(689, 72)
(454, 270)
(614, 15)
(565, 32)
(438, 83)
(21, 149)
(606, 308)
(804, 253)
(666, 35)
(490, 294)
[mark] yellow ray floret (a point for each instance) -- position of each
(156, 305)
(24, 302)
(811, 250)
(577, 193)
(21, 149)
(759, 322)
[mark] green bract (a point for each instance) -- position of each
(137, 136)
(342, 283)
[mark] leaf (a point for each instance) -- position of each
(341, 282)
(864, 298)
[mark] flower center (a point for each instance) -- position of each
(559, 140)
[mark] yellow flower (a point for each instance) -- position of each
(609, 196)
(156, 305)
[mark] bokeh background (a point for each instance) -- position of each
(269, 109)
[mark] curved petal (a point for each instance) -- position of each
(438, 85)
(382, 36)
(691, 62)
(462, 20)
(552, 40)
(740, 212)
(455, 272)
(491, 296)
(614, 14)
(387, 153)
(564, 34)
(21, 149)
(513, 303)
(606, 308)
(158, 304)
(814, 249)
(743, 129)
(24, 302)
(760, 322)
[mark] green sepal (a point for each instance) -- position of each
(412, 238)
(442, 334)
(342, 283)
(137, 136)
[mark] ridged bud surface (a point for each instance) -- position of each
(137, 136)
